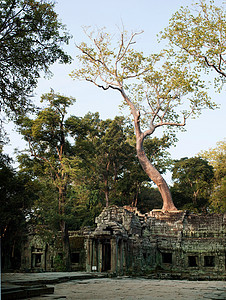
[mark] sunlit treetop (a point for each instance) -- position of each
(164, 92)
(199, 32)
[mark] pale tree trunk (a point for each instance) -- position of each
(148, 168)
(154, 175)
(106, 192)
(106, 187)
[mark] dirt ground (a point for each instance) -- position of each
(133, 289)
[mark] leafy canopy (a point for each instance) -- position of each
(199, 33)
(217, 159)
(164, 91)
(31, 39)
(47, 136)
(193, 179)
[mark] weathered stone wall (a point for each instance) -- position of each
(78, 254)
(179, 244)
(38, 253)
(42, 251)
(163, 245)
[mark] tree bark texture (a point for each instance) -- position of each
(155, 176)
(148, 168)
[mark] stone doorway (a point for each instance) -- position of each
(106, 256)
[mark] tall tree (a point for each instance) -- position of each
(31, 38)
(200, 34)
(103, 146)
(164, 93)
(50, 153)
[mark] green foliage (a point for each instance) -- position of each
(148, 199)
(200, 33)
(108, 160)
(217, 159)
(31, 39)
(193, 178)
(59, 264)
(17, 196)
(84, 206)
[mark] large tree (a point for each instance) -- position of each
(199, 33)
(50, 154)
(162, 94)
(105, 150)
(31, 39)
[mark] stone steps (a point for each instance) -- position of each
(13, 292)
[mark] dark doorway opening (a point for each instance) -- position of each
(209, 261)
(75, 258)
(192, 261)
(106, 256)
(167, 258)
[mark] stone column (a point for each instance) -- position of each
(100, 254)
(95, 255)
(113, 255)
(119, 256)
(123, 257)
(88, 255)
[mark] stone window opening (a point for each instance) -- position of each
(192, 261)
(167, 258)
(75, 258)
(209, 261)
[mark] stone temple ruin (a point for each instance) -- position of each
(158, 245)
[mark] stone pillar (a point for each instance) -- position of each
(119, 260)
(88, 255)
(113, 255)
(100, 254)
(123, 257)
(95, 255)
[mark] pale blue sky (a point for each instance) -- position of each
(148, 15)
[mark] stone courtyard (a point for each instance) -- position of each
(90, 286)
(134, 289)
